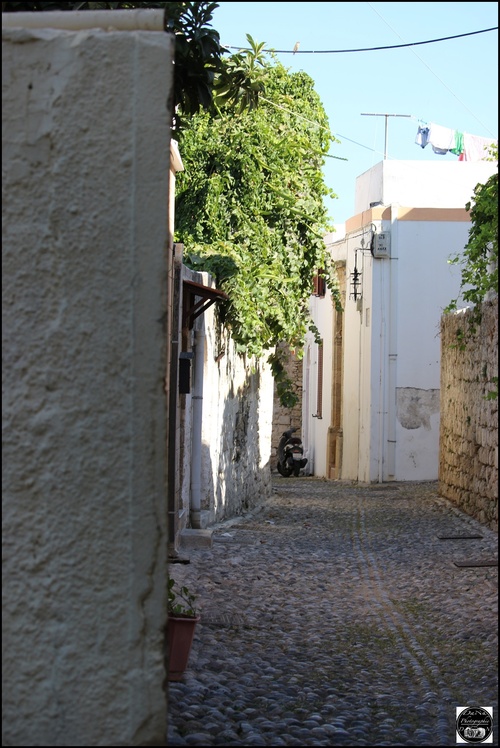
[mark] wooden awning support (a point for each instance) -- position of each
(191, 308)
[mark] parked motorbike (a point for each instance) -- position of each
(290, 454)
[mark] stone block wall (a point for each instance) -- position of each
(285, 418)
(468, 459)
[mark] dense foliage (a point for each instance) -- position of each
(250, 205)
(479, 260)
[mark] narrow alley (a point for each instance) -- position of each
(340, 614)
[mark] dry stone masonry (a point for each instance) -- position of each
(286, 418)
(468, 461)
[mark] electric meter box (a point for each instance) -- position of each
(382, 245)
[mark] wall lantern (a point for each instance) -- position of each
(356, 290)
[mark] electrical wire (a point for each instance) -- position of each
(368, 49)
(363, 49)
(432, 71)
(322, 127)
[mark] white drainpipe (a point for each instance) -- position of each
(392, 349)
(197, 399)
(120, 20)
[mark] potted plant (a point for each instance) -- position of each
(181, 624)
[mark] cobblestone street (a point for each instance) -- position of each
(336, 614)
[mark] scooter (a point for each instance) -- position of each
(290, 454)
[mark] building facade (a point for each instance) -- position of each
(371, 390)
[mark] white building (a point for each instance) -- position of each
(371, 390)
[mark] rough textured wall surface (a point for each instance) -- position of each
(468, 460)
(85, 192)
(236, 422)
(236, 453)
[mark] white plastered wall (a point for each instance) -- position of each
(426, 284)
(391, 339)
(392, 360)
(237, 411)
(420, 184)
(85, 196)
(318, 419)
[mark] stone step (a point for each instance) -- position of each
(196, 539)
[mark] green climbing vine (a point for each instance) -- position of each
(479, 260)
(250, 204)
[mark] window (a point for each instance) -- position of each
(319, 284)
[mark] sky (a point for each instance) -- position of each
(451, 83)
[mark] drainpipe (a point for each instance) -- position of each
(392, 348)
(382, 371)
(173, 330)
(75, 20)
(197, 400)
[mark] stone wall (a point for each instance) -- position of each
(85, 167)
(285, 418)
(468, 459)
(237, 423)
(237, 407)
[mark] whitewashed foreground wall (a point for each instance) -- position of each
(85, 193)
(468, 454)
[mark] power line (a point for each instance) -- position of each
(432, 71)
(322, 127)
(363, 49)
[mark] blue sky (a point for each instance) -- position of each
(451, 83)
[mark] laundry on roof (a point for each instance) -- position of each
(444, 140)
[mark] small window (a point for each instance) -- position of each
(319, 284)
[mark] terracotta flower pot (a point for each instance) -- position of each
(180, 633)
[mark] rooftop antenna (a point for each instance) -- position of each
(366, 114)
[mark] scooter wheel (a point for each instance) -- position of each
(284, 471)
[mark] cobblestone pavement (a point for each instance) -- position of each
(335, 615)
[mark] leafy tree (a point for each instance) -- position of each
(250, 204)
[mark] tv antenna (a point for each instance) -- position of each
(366, 114)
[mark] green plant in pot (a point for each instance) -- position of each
(181, 601)
(181, 624)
